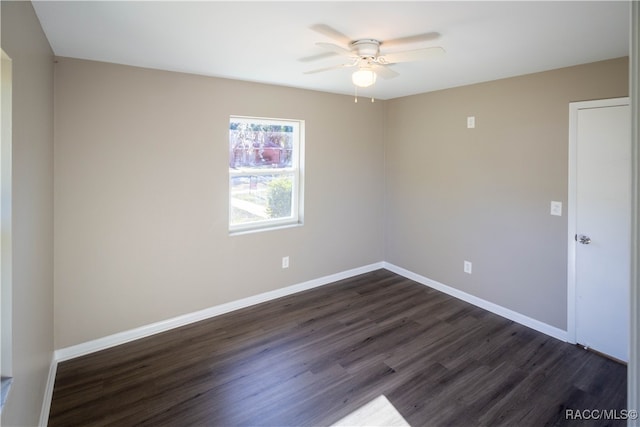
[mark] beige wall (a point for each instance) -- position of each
(141, 165)
(141, 191)
(483, 194)
(32, 267)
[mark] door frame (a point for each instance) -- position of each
(574, 107)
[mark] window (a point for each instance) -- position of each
(265, 173)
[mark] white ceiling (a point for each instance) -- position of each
(264, 41)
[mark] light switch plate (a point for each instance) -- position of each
(556, 208)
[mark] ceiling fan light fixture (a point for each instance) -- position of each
(364, 77)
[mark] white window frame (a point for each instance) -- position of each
(296, 170)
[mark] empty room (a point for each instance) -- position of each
(318, 213)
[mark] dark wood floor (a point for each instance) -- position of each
(311, 358)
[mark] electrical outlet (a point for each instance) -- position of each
(467, 267)
(285, 262)
(471, 122)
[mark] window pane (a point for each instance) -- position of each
(259, 145)
(261, 198)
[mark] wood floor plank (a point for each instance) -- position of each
(311, 358)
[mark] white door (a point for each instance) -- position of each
(600, 225)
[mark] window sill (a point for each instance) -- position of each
(263, 229)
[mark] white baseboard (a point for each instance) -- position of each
(537, 325)
(48, 393)
(165, 325)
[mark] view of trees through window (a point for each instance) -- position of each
(263, 172)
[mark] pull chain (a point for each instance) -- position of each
(355, 100)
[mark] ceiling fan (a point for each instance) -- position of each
(365, 54)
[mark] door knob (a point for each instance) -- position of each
(585, 240)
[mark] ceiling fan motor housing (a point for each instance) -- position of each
(367, 48)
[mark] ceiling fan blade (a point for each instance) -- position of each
(335, 67)
(411, 39)
(332, 33)
(336, 49)
(317, 57)
(385, 72)
(411, 55)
